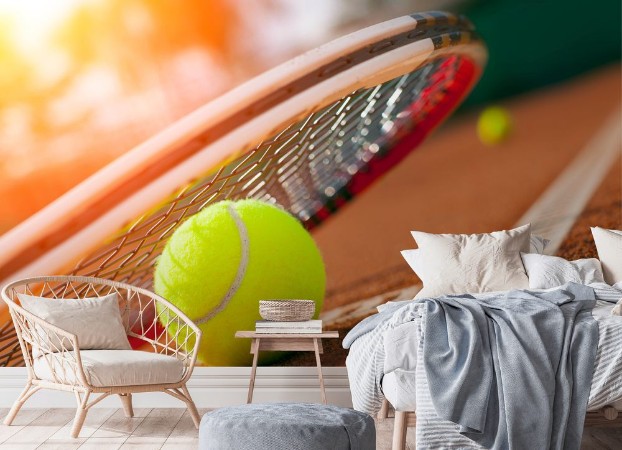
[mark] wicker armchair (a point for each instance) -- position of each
(146, 317)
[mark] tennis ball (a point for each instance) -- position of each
(494, 125)
(222, 261)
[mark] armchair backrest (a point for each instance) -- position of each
(147, 317)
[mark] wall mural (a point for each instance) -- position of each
(292, 139)
(303, 142)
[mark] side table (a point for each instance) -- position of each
(286, 342)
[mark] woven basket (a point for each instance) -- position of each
(286, 310)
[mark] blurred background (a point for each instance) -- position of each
(83, 81)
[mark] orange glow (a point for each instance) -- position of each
(83, 82)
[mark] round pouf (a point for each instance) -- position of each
(286, 426)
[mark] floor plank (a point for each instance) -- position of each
(118, 425)
(384, 429)
(154, 430)
(39, 430)
(143, 443)
(24, 417)
(384, 434)
(589, 442)
(172, 429)
(115, 431)
(594, 438)
(62, 440)
(610, 438)
(184, 435)
(109, 443)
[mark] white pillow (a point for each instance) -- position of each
(537, 244)
(96, 322)
(609, 247)
(462, 263)
(551, 271)
(412, 257)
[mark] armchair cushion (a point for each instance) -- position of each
(95, 321)
(116, 368)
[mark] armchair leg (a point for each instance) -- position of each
(192, 409)
(78, 420)
(126, 401)
(26, 393)
(400, 427)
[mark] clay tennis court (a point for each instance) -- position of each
(455, 184)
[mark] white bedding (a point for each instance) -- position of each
(389, 359)
(399, 385)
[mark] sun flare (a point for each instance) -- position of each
(29, 24)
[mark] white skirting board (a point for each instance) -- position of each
(210, 387)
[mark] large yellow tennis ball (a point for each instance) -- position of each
(222, 261)
(494, 125)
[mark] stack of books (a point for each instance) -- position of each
(306, 327)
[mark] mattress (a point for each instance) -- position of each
(400, 392)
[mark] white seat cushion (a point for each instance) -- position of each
(120, 368)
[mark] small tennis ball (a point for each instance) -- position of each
(494, 125)
(222, 261)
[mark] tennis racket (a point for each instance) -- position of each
(309, 135)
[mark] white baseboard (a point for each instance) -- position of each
(210, 387)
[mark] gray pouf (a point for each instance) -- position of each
(287, 426)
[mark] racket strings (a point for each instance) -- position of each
(301, 168)
(359, 132)
(311, 167)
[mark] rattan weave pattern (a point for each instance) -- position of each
(299, 169)
(287, 310)
(147, 318)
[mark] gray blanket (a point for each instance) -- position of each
(513, 371)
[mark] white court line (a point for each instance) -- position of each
(555, 212)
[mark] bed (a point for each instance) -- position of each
(387, 359)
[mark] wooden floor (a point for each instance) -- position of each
(109, 429)
(171, 429)
(594, 437)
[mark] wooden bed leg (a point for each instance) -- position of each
(400, 428)
(384, 410)
(610, 413)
